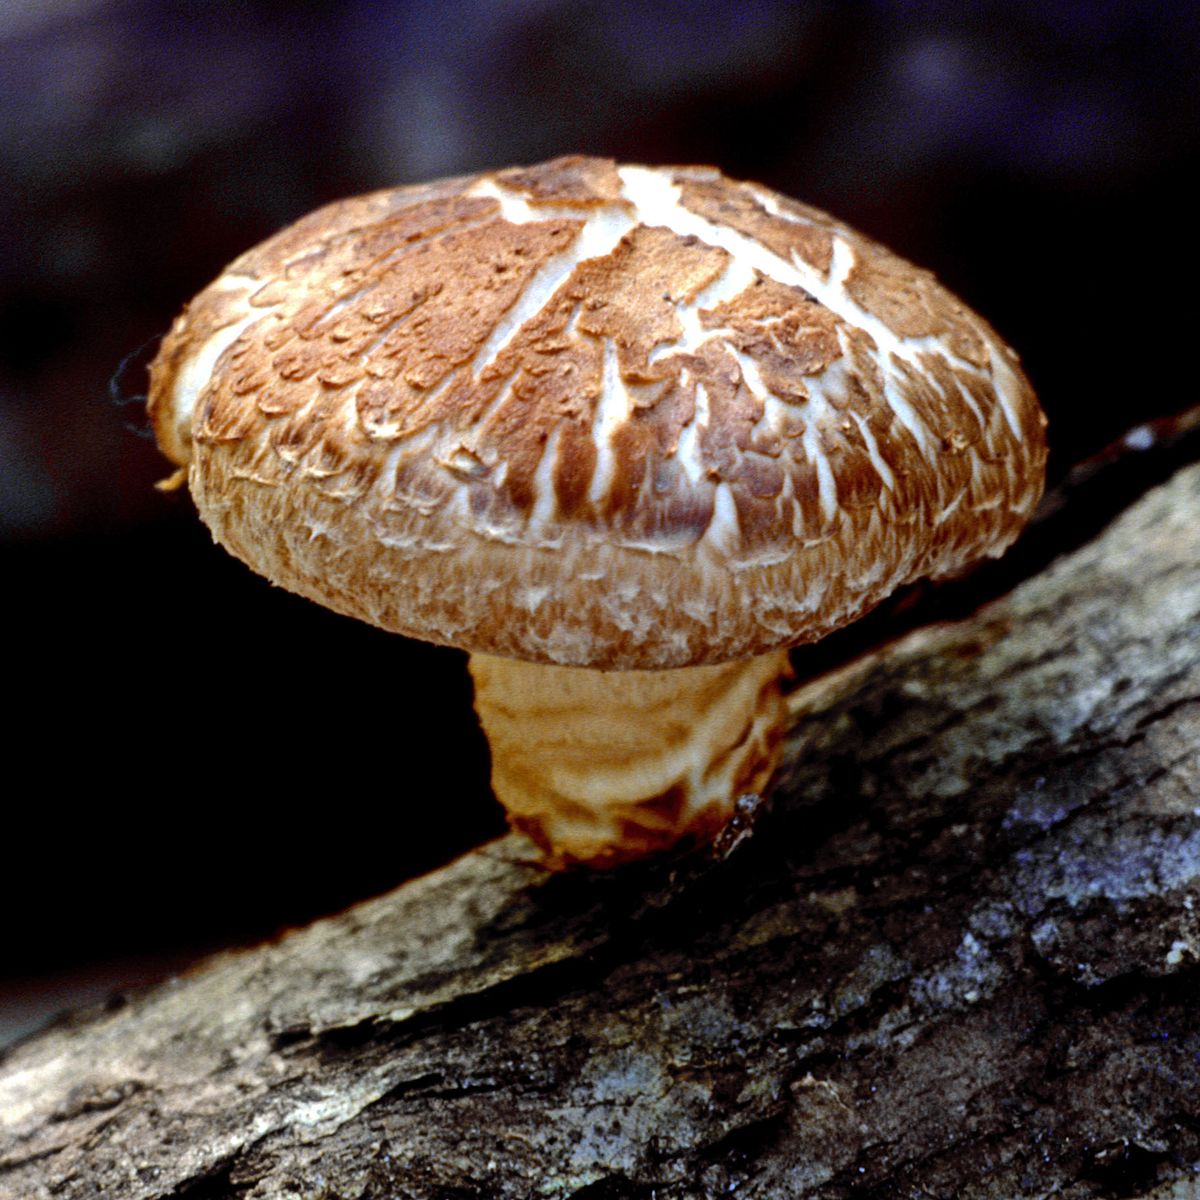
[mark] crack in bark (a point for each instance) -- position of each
(1157, 715)
(213, 1183)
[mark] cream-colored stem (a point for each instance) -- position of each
(604, 766)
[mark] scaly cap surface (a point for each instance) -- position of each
(597, 415)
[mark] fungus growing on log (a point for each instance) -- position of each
(624, 433)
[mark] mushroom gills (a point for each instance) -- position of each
(603, 766)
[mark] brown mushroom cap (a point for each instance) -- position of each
(577, 413)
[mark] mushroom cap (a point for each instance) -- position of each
(596, 415)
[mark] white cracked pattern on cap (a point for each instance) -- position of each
(692, 418)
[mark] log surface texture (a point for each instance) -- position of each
(958, 957)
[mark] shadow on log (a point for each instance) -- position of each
(959, 956)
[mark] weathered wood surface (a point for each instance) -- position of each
(960, 957)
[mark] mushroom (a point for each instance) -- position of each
(624, 433)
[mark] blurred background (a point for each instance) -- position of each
(197, 759)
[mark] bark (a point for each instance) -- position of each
(958, 956)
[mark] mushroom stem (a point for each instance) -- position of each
(603, 766)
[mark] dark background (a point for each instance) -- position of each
(196, 758)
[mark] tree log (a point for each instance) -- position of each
(958, 956)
